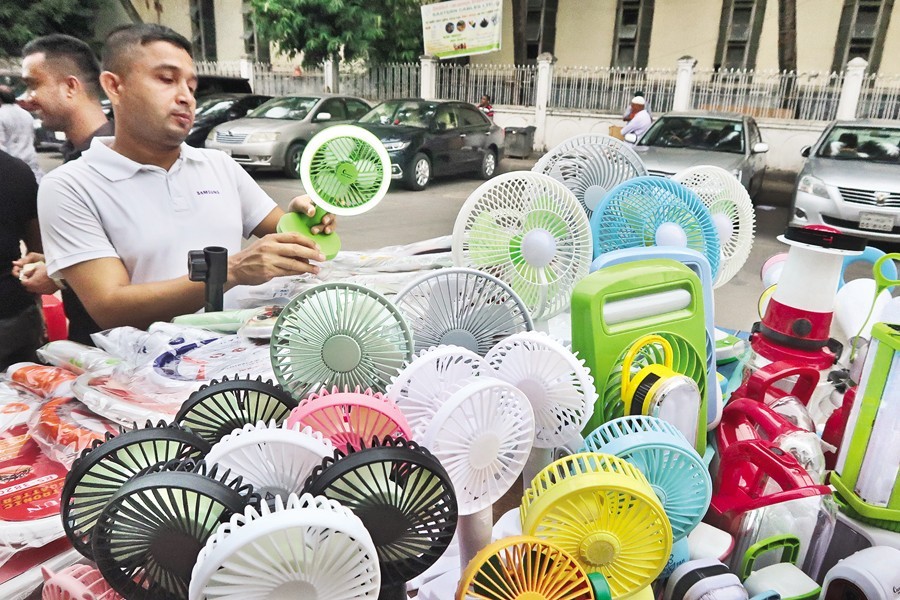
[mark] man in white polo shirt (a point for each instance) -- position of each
(118, 224)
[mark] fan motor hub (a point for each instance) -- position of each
(346, 172)
(531, 596)
(460, 337)
(384, 522)
(538, 248)
(484, 450)
(593, 195)
(660, 493)
(600, 548)
(341, 353)
(176, 552)
(535, 391)
(291, 590)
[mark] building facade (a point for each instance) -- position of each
(740, 34)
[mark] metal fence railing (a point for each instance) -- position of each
(880, 97)
(610, 89)
(507, 85)
(227, 68)
(278, 83)
(768, 94)
(381, 82)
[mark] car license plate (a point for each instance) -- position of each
(876, 221)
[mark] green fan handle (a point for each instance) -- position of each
(329, 243)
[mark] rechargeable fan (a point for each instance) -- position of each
(653, 211)
(601, 510)
(405, 499)
(528, 230)
(591, 165)
(524, 567)
(217, 409)
(461, 307)
(339, 334)
(106, 466)
(274, 459)
(303, 548)
(558, 386)
(350, 418)
(428, 381)
(76, 582)
(731, 209)
(669, 462)
(148, 536)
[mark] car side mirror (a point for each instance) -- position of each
(631, 138)
(760, 148)
(323, 116)
(234, 113)
(804, 151)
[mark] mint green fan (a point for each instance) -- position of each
(528, 230)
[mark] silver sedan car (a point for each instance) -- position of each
(851, 180)
(679, 140)
(274, 134)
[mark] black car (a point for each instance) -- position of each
(425, 138)
(216, 109)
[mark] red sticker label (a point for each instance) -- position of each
(30, 483)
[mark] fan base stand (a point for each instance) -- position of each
(441, 588)
(508, 525)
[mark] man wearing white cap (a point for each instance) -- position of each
(640, 119)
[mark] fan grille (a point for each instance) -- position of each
(149, 534)
(515, 567)
(674, 470)
(529, 231)
(645, 211)
(732, 212)
(217, 409)
(77, 582)
(339, 334)
(428, 381)
(403, 496)
(303, 548)
(462, 307)
(590, 166)
(482, 435)
(106, 466)
(558, 385)
(346, 169)
(351, 418)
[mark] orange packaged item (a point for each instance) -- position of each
(46, 382)
(64, 427)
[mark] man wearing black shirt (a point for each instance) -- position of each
(62, 75)
(21, 326)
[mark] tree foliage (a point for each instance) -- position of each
(22, 21)
(380, 30)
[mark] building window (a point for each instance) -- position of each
(739, 31)
(632, 40)
(540, 28)
(862, 31)
(254, 45)
(203, 29)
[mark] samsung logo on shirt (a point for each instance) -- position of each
(208, 192)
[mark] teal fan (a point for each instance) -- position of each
(528, 230)
(669, 462)
(654, 211)
(345, 169)
(339, 334)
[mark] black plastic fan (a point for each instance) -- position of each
(148, 536)
(108, 464)
(217, 409)
(405, 499)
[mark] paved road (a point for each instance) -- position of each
(404, 217)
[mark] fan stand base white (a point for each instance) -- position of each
(441, 588)
(537, 460)
(508, 525)
(473, 532)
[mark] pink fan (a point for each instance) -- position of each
(351, 418)
(78, 582)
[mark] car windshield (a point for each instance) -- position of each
(289, 107)
(405, 112)
(870, 144)
(213, 107)
(696, 133)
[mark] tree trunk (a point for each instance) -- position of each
(520, 19)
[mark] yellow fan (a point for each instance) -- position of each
(522, 567)
(601, 510)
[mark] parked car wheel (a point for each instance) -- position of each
(292, 160)
(488, 165)
(419, 173)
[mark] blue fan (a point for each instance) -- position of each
(653, 211)
(674, 469)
